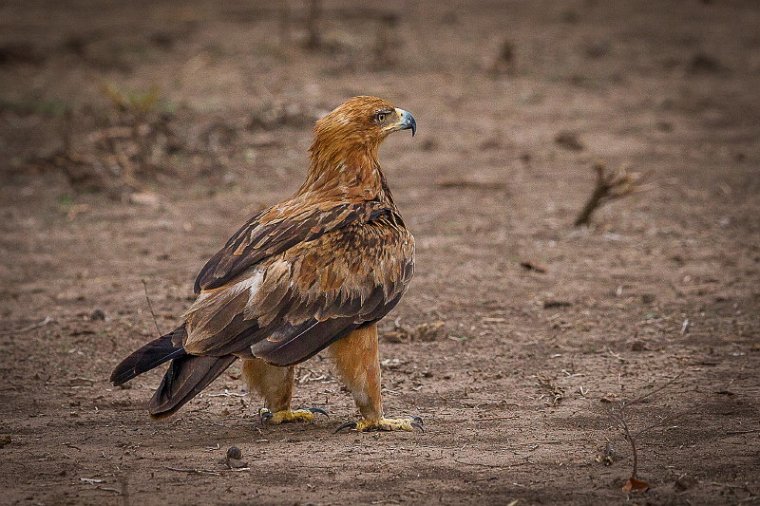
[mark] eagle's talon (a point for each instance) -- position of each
(265, 415)
(346, 425)
(318, 410)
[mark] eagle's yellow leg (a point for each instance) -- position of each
(275, 385)
(289, 415)
(386, 424)
(358, 363)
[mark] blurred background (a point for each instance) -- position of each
(583, 188)
(115, 97)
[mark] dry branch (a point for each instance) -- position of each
(150, 306)
(609, 186)
(212, 472)
(28, 328)
(618, 413)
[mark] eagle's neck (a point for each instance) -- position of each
(348, 174)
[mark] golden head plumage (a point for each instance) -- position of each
(344, 153)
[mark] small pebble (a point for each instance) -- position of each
(233, 452)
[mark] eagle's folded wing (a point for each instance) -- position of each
(289, 302)
(277, 229)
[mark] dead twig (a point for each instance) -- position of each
(656, 390)
(213, 472)
(28, 328)
(109, 489)
(150, 306)
(618, 413)
(492, 466)
(226, 393)
(193, 471)
(609, 186)
(621, 420)
(737, 432)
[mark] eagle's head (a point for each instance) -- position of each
(344, 155)
(361, 123)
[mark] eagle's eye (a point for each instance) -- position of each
(380, 117)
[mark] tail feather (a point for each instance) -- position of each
(184, 379)
(153, 354)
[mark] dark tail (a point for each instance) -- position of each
(186, 377)
(153, 354)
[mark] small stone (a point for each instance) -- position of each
(234, 458)
(233, 452)
(98, 315)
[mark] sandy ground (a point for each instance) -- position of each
(653, 307)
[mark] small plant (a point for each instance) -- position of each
(609, 186)
(619, 415)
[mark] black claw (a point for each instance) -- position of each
(347, 425)
(417, 423)
(318, 410)
(265, 415)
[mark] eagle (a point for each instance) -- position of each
(316, 271)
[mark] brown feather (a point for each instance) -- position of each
(185, 378)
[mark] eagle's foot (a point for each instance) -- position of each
(290, 415)
(384, 425)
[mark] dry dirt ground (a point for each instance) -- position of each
(137, 136)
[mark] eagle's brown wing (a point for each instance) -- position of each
(286, 305)
(277, 229)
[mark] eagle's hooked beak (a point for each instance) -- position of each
(406, 121)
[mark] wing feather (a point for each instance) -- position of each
(276, 230)
(309, 295)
